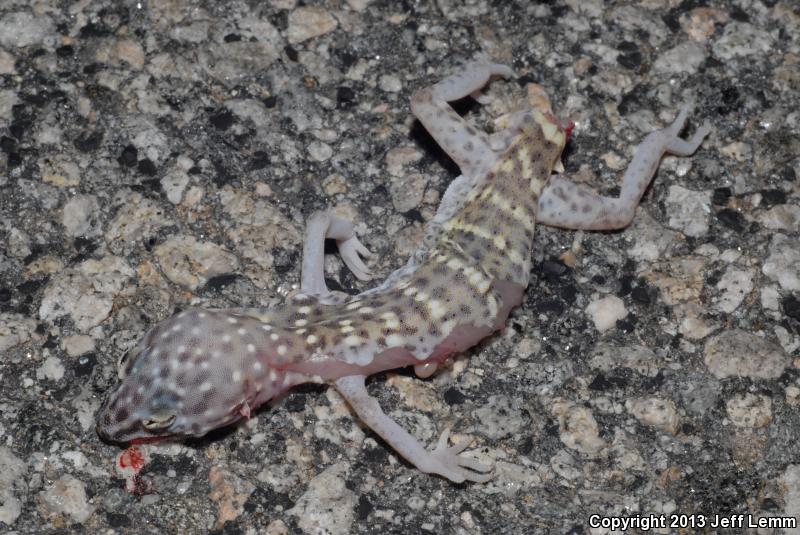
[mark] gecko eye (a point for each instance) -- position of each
(159, 421)
(126, 360)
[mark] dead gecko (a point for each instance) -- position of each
(203, 369)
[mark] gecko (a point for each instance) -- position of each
(203, 369)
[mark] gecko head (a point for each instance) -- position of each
(192, 373)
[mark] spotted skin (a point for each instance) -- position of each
(204, 369)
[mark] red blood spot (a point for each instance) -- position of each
(568, 127)
(132, 458)
(564, 124)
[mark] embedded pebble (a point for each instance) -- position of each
(737, 353)
(21, 29)
(257, 228)
(12, 472)
(77, 345)
(565, 465)
(230, 492)
(251, 110)
(390, 83)
(689, 210)
(701, 23)
(748, 446)
(749, 410)
(793, 395)
(66, 497)
(319, 151)
(679, 279)
(334, 184)
(734, 285)
(742, 39)
(578, 429)
(694, 325)
(400, 159)
(8, 99)
(122, 52)
(309, 22)
(60, 171)
(685, 57)
(501, 417)
(327, 505)
(651, 239)
(137, 218)
(231, 62)
(194, 32)
(130, 52)
(85, 293)
(358, 5)
(191, 263)
(6, 62)
(783, 263)
(605, 312)
(770, 298)
(782, 217)
(407, 191)
(51, 369)
(174, 183)
(738, 150)
(698, 395)
(15, 329)
(790, 485)
(80, 216)
(655, 412)
(642, 360)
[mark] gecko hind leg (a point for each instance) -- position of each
(322, 226)
(444, 460)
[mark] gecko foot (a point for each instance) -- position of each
(352, 251)
(676, 145)
(447, 462)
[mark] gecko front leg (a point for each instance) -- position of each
(468, 147)
(565, 204)
(322, 226)
(444, 460)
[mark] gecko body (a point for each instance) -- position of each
(204, 369)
